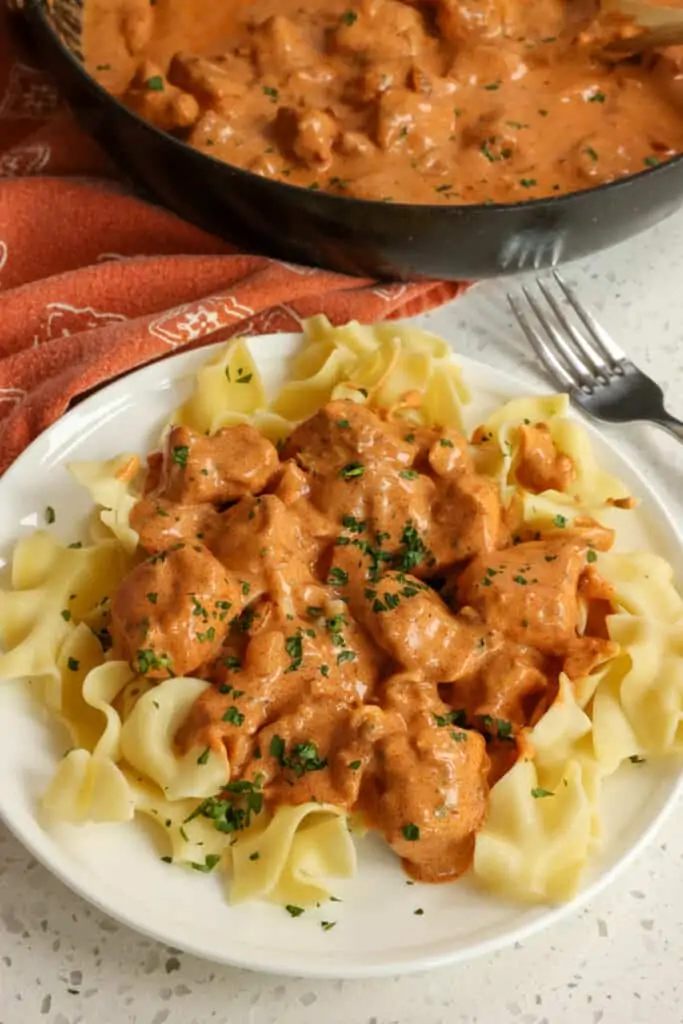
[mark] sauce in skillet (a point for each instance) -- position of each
(375, 634)
(418, 101)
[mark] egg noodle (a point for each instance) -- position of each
(543, 813)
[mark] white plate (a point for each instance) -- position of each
(117, 867)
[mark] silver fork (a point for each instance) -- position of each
(583, 359)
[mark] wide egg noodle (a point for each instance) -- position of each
(65, 585)
(386, 365)
(270, 424)
(228, 381)
(88, 785)
(535, 849)
(291, 859)
(78, 655)
(190, 837)
(147, 742)
(650, 692)
(553, 509)
(643, 584)
(111, 483)
(542, 819)
(499, 447)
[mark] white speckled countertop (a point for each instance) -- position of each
(620, 961)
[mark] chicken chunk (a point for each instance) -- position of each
(161, 523)
(410, 622)
(223, 467)
(171, 612)
(529, 592)
(431, 790)
(308, 135)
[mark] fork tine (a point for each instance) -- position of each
(571, 360)
(609, 348)
(544, 353)
(582, 345)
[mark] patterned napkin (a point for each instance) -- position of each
(94, 282)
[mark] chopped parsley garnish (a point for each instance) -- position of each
(354, 765)
(233, 716)
(521, 580)
(353, 525)
(209, 635)
(204, 756)
(231, 661)
(414, 552)
(73, 664)
(76, 544)
(327, 925)
(349, 18)
(246, 587)
(50, 515)
(277, 747)
(411, 832)
(147, 659)
(343, 424)
(458, 737)
(294, 648)
(268, 90)
(560, 521)
(597, 97)
(255, 855)
(345, 656)
(635, 759)
(652, 161)
(294, 911)
(445, 443)
(302, 758)
(452, 718)
(66, 614)
(589, 151)
(152, 598)
(538, 792)
(232, 812)
(591, 555)
(179, 455)
(209, 864)
(155, 83)
(243, 378)
(528, 182)
(352, 470)
(408, 474)
(325, 671)
(337, 577)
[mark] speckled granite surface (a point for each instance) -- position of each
(618, 962)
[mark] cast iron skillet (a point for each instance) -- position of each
(355, 236)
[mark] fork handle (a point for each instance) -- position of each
(671, 425)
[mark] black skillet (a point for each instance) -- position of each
(387, 240)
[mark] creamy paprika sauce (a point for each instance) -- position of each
(423, 101)
(376, 628)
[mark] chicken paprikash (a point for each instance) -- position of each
(376, 627)
(414, 101)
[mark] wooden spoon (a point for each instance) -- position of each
(638, 26)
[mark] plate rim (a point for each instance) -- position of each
(161, 375)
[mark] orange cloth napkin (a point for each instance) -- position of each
(94, 282)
